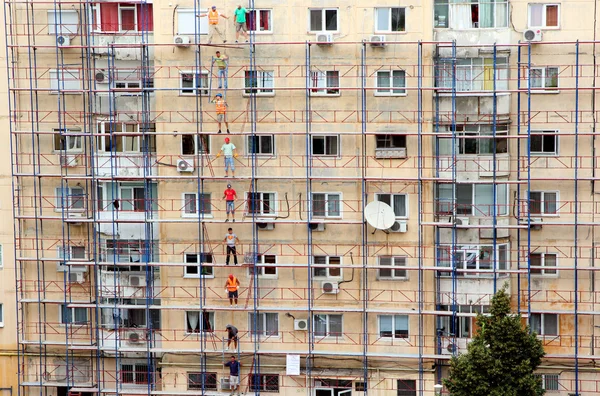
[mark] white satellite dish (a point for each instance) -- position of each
(380, 215)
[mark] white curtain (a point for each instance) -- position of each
(460, 15)
(193, 319)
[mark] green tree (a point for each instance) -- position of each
(501, 359)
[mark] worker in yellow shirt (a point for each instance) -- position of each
(213, 24)
(221, 111)
(221, 62)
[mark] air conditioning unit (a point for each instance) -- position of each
(329, 287)
(225, 385)
(76, 277)
(63, 41)
(391, 153)
(319, 227)
(134, 337)
(68, 161)
(266, 226)
(532, 35)
(101, 76)
(464, 221)
(137, 280)
(301, 324)
(184, 166)
(399, 226)
(182, 41)
(324, 38)
(377, 41)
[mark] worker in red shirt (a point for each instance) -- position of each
(229, 195)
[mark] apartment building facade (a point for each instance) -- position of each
(475, 121)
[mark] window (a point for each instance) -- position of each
(129, 251)
(201, 265)
(258, 82)
(333, 271)
(475, 140)
(206, 381)
(77, 316)
(470, 14)
(196, 321)
(137, 198)
(261, 145)
(65, 80)
(390, 20)
(69, 253)
(67, 139)
(122, 17)
(472, 74)
(543, 203)
(544, 77)
(390, 141)
(460, 326)
(472, 199)
(326, 205)
(70, 199)
(393, 326)
(407, 387)
(398, 202)
(391, 82)
(391, 273)
(473, 260)
(128, 18)
(544, 324)
(259, 21)
(1, 256)
(266, 266)
(130, 81)
(191, 83)
(544, 15)
(187, 23)
(63, 22)
(545, 263)
(326, 145)
(1, 315)
(327, 325)
(120, 143)
(325, 82)
(544, 142)
(95, 22)
(129, 318)
(135, 373)
(194, 144)
(195, 203)
(267, 323)
(323, 19)
(549, 381)
(265, 383)
(261, 204)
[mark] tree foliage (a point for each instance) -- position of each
(501, 359)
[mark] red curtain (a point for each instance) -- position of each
(109, 15)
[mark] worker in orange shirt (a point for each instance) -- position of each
(213, 24)
(231, 286)
(221, 111)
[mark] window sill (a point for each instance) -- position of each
(266, 277)
(541, 91)
(398, 279)
(262, 32)
(380, 94)
(323, 219)
(393, 339)
(325, 95)
(327, 157)
(389, 32)
(273, 155)
(65, 93)
(259, 94)
(70, 152)
(323, 31)
(261, 217)
(198, 276)
(544, 27)
(472, 28)
(196, 216)
(192, 94)
(537, 154)
(448, 93)
(548, 276)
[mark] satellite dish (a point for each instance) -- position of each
(380, 215)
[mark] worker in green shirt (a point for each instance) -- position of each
(221, 62)
(240, 22)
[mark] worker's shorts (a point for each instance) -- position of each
(240, 26)
(229, 206)
(233, 294)
(234, 380)
(221, 117)
(229, 164)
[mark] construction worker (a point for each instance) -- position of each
(232, 284)
(221, 111)
(240, 22)
(230, 240)
(234, 374)
(229, 195)
(221, 62)
(230, 152)
(213, 24)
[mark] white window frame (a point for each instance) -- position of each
(393, 335)
(196, 90)
(464, 133)
(545, 380)
(262, 316)
(328, 326)
(389, 29)
(542, 203)
(135, 16)
(464, 325)
(103, 133)
(199, 256)
(260, 137)
(132, 90)
(338, 144)
(261, 212)
(68, 199)
(328, 275)
(470, 75)
(202, 24)
(323, 19)
(389, 91)
(473, 203)
(61, 309)
(257, 21)
(1, 256)
(328, 197)
(554, 133)
(72, 137)
(544, 78)
(396, 261)
(472, 254)
(197, 139)
(70, 87)
(95, 13)
(322, 89)
(69, 257)
(392, 204)
(542, 332)
(553, 270)
(211, 319)
(138, 367)
(58, 24)
(197, 212)
(452, 23)
(260, 89)
(1, 315)
(545, 5)
(260, 270)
